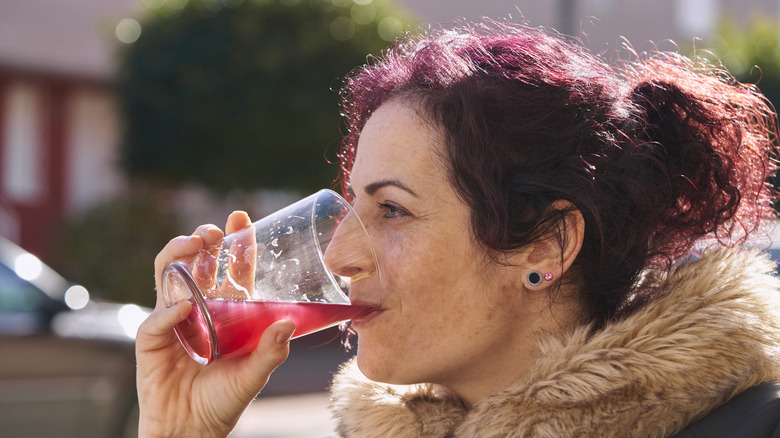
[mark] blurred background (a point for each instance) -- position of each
(126, 122)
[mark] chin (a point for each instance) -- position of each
(373, 366)
(379, 369)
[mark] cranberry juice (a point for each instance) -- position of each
(239, 324)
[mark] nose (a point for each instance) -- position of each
(349, 252)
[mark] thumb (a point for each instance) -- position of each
(272, 350)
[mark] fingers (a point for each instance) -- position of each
(272, 350)
(157, 330)
(201, 251)
(242, 254)
(204, 267)
(182, 248)
(237, 221)
(211, 235)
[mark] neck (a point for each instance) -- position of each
(491, 378)
(513, 356)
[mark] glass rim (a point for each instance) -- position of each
(182, 269)
(321, 252)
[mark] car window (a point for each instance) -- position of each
(17, 294)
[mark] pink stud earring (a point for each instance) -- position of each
(535, 278)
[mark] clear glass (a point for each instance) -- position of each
(311, 262)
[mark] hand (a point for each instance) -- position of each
(177, 396)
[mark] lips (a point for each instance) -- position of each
(365, 318)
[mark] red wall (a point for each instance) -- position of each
(40, 218)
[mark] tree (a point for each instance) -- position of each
(240, 95)
(751, 54)
(110, 249)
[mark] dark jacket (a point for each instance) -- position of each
(753, 413)
(712, 332)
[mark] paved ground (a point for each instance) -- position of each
(294, 404)
(294, 416)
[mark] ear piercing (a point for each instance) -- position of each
(535, 278)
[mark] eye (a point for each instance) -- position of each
(393, 211)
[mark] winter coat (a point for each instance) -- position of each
(712, 332)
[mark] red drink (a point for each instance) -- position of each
(238, 324)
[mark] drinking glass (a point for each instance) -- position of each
(311, 262)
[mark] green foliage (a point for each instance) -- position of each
(750, 53)
(111, 248)
(240, 95)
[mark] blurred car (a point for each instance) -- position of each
(67, 363)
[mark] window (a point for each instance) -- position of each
(696, 17)
(23, 159)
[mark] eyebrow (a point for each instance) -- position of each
(372, 188)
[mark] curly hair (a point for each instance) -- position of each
(656, 152)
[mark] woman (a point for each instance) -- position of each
(536, 213)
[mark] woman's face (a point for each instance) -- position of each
(448, 315)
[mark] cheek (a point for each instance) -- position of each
(414, 262)
(432, 281)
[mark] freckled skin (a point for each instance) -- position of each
(452, 317)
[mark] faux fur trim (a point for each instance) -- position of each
(712, 332)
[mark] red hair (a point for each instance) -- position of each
(656, 153)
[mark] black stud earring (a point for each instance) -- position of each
(534, 278)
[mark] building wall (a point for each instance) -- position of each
(59, 129)
(58, 147)
(604, 22)
(91, 168)
(31, 154)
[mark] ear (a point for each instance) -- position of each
(550, 257)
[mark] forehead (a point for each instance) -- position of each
(398, 141)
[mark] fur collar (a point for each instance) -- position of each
(713, 332)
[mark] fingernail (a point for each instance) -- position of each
(284, 337)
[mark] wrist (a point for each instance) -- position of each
(156, 429)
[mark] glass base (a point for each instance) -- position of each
(196, 333)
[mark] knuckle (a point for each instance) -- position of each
(166, 255)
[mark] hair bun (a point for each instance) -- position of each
(711, 141)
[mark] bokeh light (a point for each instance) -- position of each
(389, 28)
(154, 4)
(231, 3)
(77, 297)
(176, 4)
(130, 318)
(363, 14)
(128, 30)
(27, 266)
(342, 28)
